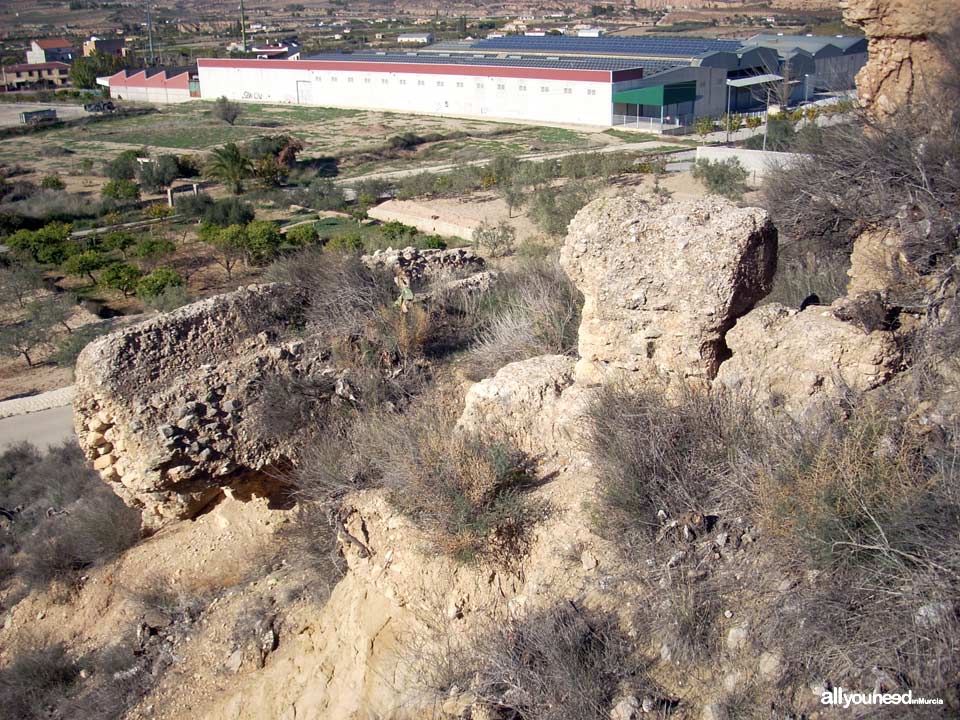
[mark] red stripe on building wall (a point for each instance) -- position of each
(412, 68)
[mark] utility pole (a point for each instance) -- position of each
(243, 27)
(150, 32)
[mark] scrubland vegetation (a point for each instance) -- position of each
(846, 518)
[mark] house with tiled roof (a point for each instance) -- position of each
(47, 50)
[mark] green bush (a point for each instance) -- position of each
(121, 276)
(170, 298)
(50, 245)
(150, 286)
(350, 242)
(465, 493)
(152, 249)
(159, 174)
(302, 235)
(121, 190)
(552, 209)
(263, 241)
(52, 182)
(70, 346)
(124, 166)
(229, 211)
(497, 241)
(723, 177)
(85, 264)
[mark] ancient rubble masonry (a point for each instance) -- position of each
(165, 409)
(663, 281)
(805, 361)
(902, 60)
(420, 267)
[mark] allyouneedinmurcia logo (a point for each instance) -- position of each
(841, 698)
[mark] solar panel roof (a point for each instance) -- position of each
(531, 61)
(648, 45)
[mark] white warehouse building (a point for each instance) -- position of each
(656, 84)
(574, 92)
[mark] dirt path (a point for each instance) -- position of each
(624, 147)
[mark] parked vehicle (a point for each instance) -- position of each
(100, 106)
(38, 117)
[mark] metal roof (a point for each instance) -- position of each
(648, 45)
(754, 80)
(535, 61)
(848, 44)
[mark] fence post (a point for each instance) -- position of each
(170, 196)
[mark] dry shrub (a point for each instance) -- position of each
(855, 496)
(69, 520)
(555, 664)
(873, 507)
(532, 310)
(467, 493)
(37, 680)
(684, 615)
(665, 457)
(803, 271)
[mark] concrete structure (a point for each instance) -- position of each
(415, 39)
(117, 47)
(154, 85)
(757, 162)
(35, 75)
(50, 50)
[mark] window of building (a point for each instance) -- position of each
(420, 82)
(544, 88)
(439, 83)
(459, 84)
(500, 86)
(479, 86)
(333, 78)
(591, 92)
(384, 81)
(522, 88)
(350, 79)
(568, 91)
(366, 80)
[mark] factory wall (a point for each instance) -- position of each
(511, 93)
(157, 88)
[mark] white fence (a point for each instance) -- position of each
(675, 125)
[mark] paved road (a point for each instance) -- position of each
(34, 403)
(44, 428)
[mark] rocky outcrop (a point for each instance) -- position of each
(878, 263)
(167, 409)
(903, 61)
(421, 267)
(663, 282)
(803, 360)
(522, 400)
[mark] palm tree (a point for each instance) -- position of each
(230, 166)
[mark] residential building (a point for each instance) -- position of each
(48, 50)
(35, 75)
(105, 46)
